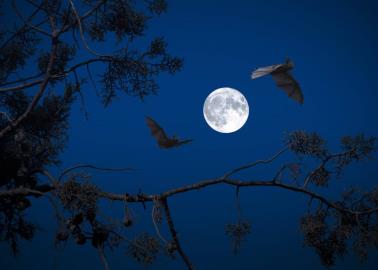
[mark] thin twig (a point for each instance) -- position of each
(93, 167)
(27, 21)
(86, 14)
(103, 258)
(78, 18)
(323, 163)
(20, 191)
(247, 166)
(54, 76)
(156, 201)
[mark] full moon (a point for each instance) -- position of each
(226, 110)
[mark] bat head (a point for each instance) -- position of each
(289, 63)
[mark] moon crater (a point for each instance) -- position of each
(226, 110)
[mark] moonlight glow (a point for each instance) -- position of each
(226, 110)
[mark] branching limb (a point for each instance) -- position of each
(22, 29)
(27, 21)
(139, 198)
(310, 174)
(54, 76)
(42, 88)
(323, 163)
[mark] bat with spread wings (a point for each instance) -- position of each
(162, 139)
(283, 78)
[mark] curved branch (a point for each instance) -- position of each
(22, 79)
(263, 161)
(93, 167)
(78, 18)
(87, 14)
(21, 86)
(157, 230)
(21, 192)
(323, 163)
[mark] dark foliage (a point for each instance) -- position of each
(77, 196)
(330, 230)
(16, 48)
(301, 142)
(65, 53)
(34, 144)
(144, 249)
(238, 232)
(13, 225)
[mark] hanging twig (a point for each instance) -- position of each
(82, 31)
(103, 258)
(174, 234)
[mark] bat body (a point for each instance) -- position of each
(283, 79)
(162, 139)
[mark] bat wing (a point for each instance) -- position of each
(259, 72)
(157, 131)
(184, 142)
(286, 81)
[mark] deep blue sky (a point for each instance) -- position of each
(334, 47)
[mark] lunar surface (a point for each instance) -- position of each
(226, 110)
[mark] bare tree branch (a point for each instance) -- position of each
(247, 166)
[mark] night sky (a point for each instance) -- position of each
(334, 47)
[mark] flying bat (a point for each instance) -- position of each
(162, 139)
(283, 78)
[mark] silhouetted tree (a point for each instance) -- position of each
(38, 88)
